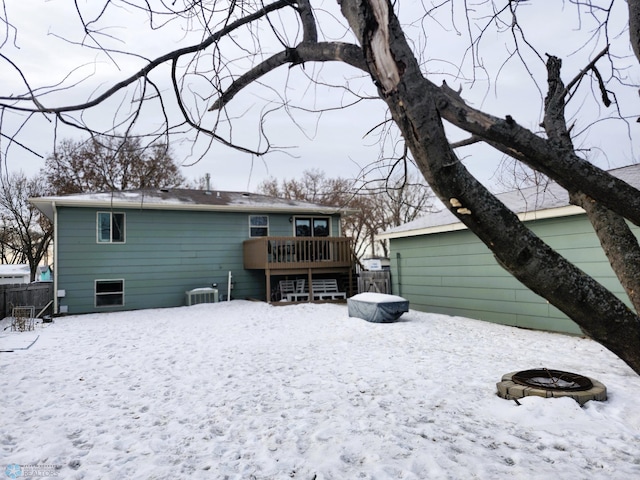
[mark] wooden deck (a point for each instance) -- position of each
(298, 256)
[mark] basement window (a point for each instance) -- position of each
(109, 293)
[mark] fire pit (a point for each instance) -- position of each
(544, 382)
(552, 380)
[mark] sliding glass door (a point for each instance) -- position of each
(315, 227)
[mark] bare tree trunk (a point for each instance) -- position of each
(634, 26)
(616, 238)
(396, 72)
(619, 244)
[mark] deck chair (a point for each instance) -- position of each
(300, 294)
(286, 287)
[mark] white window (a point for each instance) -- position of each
(110, 227)
(258, 226)
(109, 293)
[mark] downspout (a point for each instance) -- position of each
(55, 258)
(398, 260)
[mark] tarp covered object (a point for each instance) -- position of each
(377, 307)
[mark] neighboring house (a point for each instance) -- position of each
(14, 274)
(45, 273)
(440, 266)
(145, 249)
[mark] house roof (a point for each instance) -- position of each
(532, 203)
(182, 199)
(13, 270)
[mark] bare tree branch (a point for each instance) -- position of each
(144, 72)
(563, 166)
(316, 52)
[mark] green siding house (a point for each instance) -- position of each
(441, 267)
(146, 248)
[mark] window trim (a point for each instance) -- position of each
(251, 227)
(96, 294)
(111, 214)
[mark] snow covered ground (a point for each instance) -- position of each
(242, 390)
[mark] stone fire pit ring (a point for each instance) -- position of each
(549, 383)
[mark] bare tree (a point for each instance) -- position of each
(397, 199)
(314, 186)
(108, 164)
(26, 233)
(243, 43)
(373, 206)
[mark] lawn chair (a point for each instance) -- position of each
(286, 288)
(300, 294)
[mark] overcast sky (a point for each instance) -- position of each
(335, 141)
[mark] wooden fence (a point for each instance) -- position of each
(377, 282)
(37, 295)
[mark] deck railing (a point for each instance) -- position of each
(282, 253)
